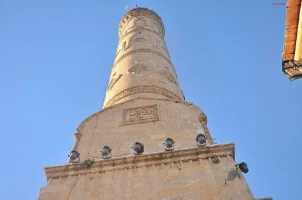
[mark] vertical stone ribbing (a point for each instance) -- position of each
(142, 65)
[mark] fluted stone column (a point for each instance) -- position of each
(142, 65)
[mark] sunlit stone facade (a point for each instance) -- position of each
(144, 103)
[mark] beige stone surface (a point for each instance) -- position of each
(179, 121)
(142, 66)
(144, 103)
(182, 174)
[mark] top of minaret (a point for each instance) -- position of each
(142, 66)
(140, 11)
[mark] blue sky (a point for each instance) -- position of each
(55, 61)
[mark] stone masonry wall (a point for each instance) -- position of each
(152, 122)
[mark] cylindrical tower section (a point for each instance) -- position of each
(142, 65)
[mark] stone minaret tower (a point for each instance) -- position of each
(145, 105)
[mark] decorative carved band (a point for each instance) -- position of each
(140, 115)
(142, 38)
(140, 51)
(142, 89)
(140, 12)
(140, 29)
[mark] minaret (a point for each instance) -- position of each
(142, 65)
(147, 141)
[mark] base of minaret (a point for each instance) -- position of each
(205, 173)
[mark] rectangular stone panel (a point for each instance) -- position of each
(139, 115)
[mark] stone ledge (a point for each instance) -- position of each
(144, 160)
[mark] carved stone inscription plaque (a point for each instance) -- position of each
(140, 115)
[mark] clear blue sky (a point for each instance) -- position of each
(55, 59)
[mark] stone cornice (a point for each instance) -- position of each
(144, 160)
